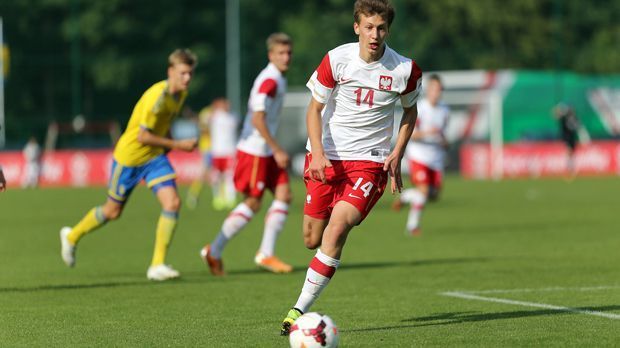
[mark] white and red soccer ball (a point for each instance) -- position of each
(314, 330)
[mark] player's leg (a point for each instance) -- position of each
(233, 224)
(166, 225)
(317, 206)
(326, 260)
(313, 231)
(94, 218)
(195, 187)
(571, 165)
(356, 190)
(120, 185)
(250, 177)
(160, 177)
(417, 197)
(229, 184)
(274, 223)
(217, 188)
(435, 187)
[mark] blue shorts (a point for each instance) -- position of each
(207, 159)
(157, 173)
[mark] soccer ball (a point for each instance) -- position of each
(314, 330)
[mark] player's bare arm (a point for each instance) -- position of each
(418, 134)
(260, 123)
(148, 138)
(392, 162)
(315, 134)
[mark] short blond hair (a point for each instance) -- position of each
(278, 39)
(182, 56)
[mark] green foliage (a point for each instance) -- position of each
(123, 45)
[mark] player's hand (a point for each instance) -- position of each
(282, 158)
(2, 182)
(317, 167)
(392, 166)
(186, 144)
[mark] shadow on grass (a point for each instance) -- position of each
(368, 265)
(119, 284)
(469, 317)
(204, 276)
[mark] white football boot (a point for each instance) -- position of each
(162, 272)
(67, 251)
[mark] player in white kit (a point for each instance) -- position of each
(426, 155)
(261, 164)
(350, 122)
(32, 159)
(223, 128)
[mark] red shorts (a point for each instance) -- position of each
(254, 174)
(423, 175)
(223, 164)
(360, 183)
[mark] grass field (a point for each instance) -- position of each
(515, 263)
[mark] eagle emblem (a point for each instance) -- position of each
(385, 83)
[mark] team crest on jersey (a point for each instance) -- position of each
(385, 83)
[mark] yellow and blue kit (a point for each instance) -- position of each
(134, 161)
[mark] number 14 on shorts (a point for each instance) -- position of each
(366, 188)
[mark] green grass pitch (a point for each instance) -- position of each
(539, 260)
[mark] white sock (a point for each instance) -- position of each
(216, 185)
(274, 222)
(235, 221)
(320, 271)
(230, 186)
(407, 195)
(417, 201)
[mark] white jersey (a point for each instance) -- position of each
(429, 150)
(223, 128)
(32, 152)
(267, 95)
(358, 118)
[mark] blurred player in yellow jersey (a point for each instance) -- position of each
(204, 145)
(140, 154)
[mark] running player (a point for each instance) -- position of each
(261, 164)
(223, 126)
(204, 145)
(140, 154)
(350, 123)
(426, 155)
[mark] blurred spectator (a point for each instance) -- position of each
(32, 158)
(569, 128)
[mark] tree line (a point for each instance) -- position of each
(99, 56)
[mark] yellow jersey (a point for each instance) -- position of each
(155, 111)
(204, 143)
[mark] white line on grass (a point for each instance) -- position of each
(556, 288)
(529, 304)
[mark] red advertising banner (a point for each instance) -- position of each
(536, 159)
(85, 168)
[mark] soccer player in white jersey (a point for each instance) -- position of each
(426, 155)
(261, 164)
(223, 128)
(350, 123)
